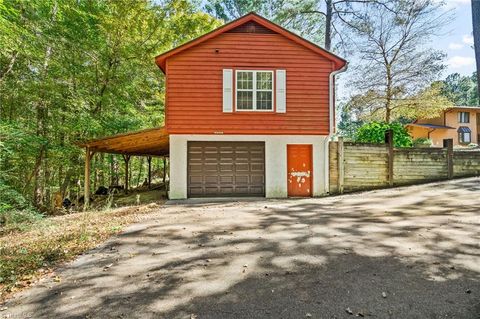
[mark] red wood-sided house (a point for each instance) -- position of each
(249, 112)
(249, 109)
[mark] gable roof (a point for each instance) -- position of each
(339, 62)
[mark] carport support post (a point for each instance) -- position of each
(86, 195)
(149, 160)
(448, 144)
(389, 141)
(126, 158)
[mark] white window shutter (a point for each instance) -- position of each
(227, 90)
(281, 91)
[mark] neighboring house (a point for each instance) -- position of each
(249, 111)
(460, 123)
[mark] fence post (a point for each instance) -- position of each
(341, 164)
(389, 142)
(448, 143)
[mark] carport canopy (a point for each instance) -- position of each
(149, 142)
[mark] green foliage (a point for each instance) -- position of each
(460, 90)
(422, 142)
(374, 132)
(15, 210)
(348, 124)
(72, 70)
(304, 17)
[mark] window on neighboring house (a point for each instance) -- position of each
(254, 90)
(464, 135)
(463, 117)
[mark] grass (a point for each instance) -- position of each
(26, 255)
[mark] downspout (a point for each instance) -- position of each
(331, 113)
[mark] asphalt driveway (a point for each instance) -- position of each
(412, 252)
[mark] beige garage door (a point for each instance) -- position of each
(226, 169)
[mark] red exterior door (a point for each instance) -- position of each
(299, 170)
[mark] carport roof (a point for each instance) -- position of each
(149, 142)
(431, 126)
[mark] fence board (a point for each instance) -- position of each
(366, 166)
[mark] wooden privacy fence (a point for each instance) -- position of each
(363, 166)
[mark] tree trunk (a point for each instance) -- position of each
(476, 39)
(95, 175)
(66, 182)
(42, 173)
(112, 170)
(388, 95)
(37, 190)
(9, 67)
(101, 172)
(46, 179)
(140, 170)
(328, 24)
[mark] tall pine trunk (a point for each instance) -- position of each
(476, 39)
(328, 24)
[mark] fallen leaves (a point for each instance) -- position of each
(32, 253)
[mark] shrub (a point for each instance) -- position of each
(374, 132)
(15, 210)
(422, 142)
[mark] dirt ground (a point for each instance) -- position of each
(411, 252)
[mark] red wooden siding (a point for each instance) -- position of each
(194, 86)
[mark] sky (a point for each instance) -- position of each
(458, 40)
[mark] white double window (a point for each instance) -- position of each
(254, 90)
(463, 117)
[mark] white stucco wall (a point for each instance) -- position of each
(275, 161)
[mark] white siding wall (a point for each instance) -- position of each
(275, 161)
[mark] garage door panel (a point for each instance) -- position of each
(207, 167)
(196, 179)
(242, 180)
(211, 191)
(195, 168)
(257, 179)
(242, 167)
(227, 180)
(226, 169)
(242, 189)
(258, 189)
(196, 191)
(254, 167)
(226, 190)
(209, 179)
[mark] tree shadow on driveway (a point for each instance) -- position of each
(283, 259)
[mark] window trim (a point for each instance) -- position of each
(460, 117)
(461, 138)
(254, 91)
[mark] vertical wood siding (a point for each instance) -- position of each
(194, 86)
